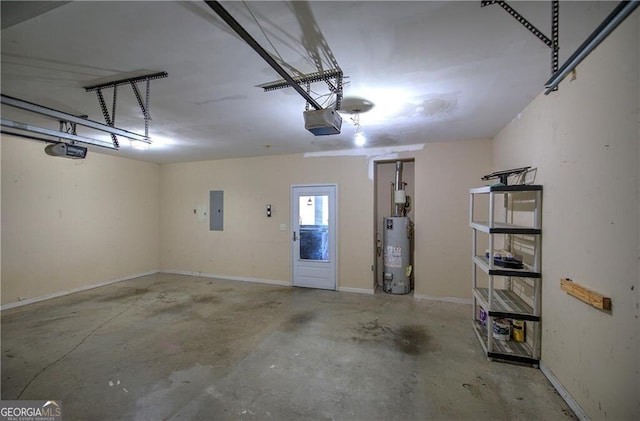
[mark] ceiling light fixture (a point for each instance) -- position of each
(356, 106)
(360, 139)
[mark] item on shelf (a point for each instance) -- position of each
(504, 259)
(504, 175)
(483, 316)
(511, 264)
(518, 330)
(501, 329)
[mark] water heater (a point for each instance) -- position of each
(397, 255)
(397, 241)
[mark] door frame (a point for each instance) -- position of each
(333, 229)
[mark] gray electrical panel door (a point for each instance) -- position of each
(216, 210)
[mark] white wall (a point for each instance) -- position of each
(444, 173)
(252, 245)
(69, 224)
(584, 141)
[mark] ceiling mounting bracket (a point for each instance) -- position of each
(332, 77)
(552, 42)
(105, 113)
(110, 119)
(69, 127)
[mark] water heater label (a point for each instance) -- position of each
(393, 256)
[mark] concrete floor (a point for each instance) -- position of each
(185, 348)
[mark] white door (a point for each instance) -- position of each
(313, 239)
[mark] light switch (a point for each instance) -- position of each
(283, 227)
(201, 213)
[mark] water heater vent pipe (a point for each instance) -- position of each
(399, 195)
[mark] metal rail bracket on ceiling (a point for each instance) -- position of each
(73, 137)
(64, 119)
(144, 106)
(333, 78)
(552, 42)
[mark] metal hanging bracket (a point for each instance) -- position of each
(110, 119)
(333, 78)
(552, 42)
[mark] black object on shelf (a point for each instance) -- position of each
(505, 174)
(511, 264)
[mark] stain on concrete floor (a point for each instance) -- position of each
(123, 294)
(298, 321)
(408, 339)
(412, 340)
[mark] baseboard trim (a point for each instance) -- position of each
(577, 410)
(32, 300)
(257, 280)
(72, 291)
(455, 300)
(228, 277)
(366, 291)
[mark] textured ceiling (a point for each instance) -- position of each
(436, 71)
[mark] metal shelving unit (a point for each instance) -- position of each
(503, 300)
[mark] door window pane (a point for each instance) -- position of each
(314, 227)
